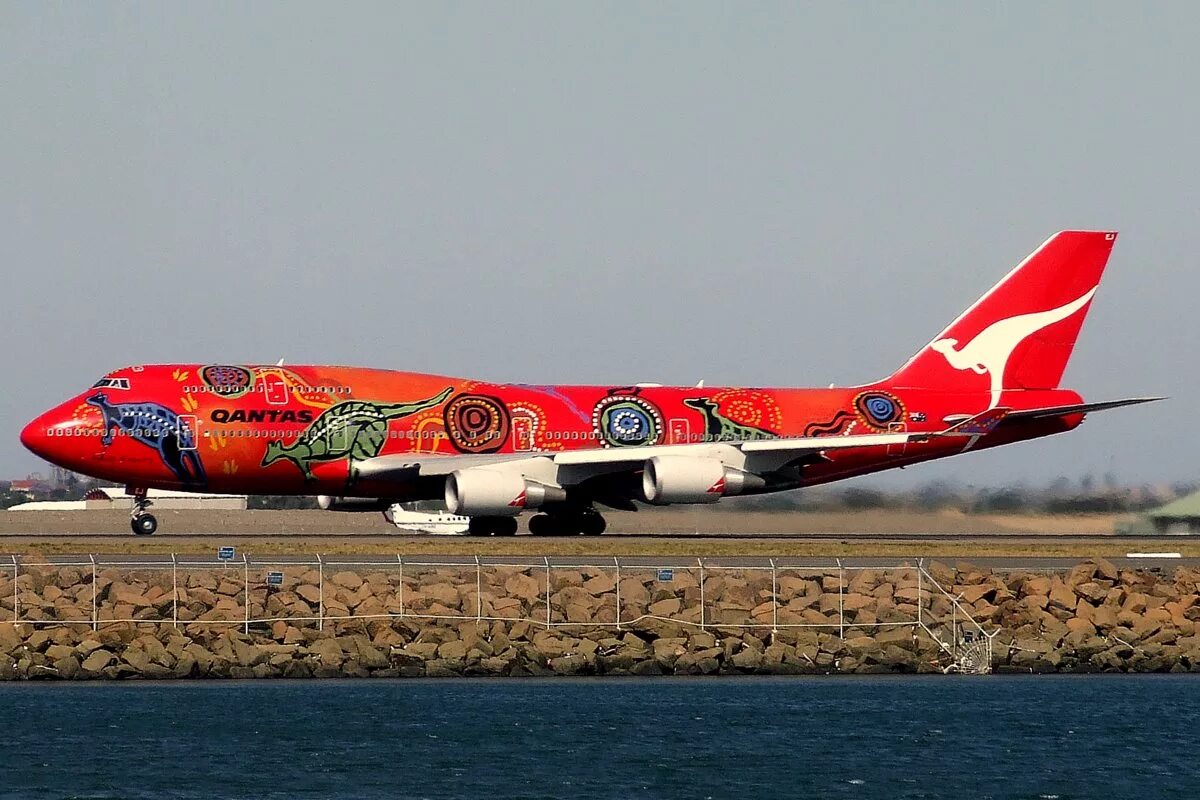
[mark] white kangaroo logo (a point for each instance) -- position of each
(988, 352)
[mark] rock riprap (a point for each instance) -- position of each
(360, 621)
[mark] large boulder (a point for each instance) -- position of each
(524, 587)
(97, 661)
(347, 579)
(328, 652)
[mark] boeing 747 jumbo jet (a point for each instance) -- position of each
(364, 439)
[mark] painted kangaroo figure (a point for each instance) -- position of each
(353, 429)
(720, 428)
(157, 427)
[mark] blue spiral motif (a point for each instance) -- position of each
(628, 424)
(624, 421)
(879, 410)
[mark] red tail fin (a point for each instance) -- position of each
(1020, 334)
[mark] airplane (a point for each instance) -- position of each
(367, 439)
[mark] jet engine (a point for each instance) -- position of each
(328, 503)
(684, 479)
(491, 493)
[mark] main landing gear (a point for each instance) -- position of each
(584, 522)
(492, 526)
(141, 521)
(564, 522)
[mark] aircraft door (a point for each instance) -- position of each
(274, 389)
(679, 431)
(897, 449)
(188, 431)
(522, 435)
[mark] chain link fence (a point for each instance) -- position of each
(767, 595)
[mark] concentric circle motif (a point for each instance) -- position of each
(750, 407)
(626, 421)
(477, 423)
(226, 380)
(878, 409)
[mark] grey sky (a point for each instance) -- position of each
(750, 194)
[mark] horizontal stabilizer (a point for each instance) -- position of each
(1079, 408)
(978, 425)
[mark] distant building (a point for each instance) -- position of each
(32, 486)
(1180, 516)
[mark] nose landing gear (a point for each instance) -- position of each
(142, 522)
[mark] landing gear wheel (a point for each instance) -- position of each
(564, 525)
(585, 523)
(492, 526)
(144, 524)
(591, 524)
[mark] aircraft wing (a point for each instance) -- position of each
(573, 466)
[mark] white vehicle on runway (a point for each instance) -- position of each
(437, 521)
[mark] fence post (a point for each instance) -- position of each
(400, 561)
(954, 626)
(841, 600)
(246, 590)
(774, 599)
(478, 590)
(16, 601)
(547, 560)
(920, 591)
(700, 561)
(174, 591)
(617, 564)
(320, 593)
(92, 558)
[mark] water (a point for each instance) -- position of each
(1042, 738)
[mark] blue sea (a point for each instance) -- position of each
(1043, 738)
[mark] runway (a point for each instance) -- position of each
(994, 550)
(740, 536)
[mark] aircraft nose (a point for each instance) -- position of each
(35, 435)
(47, 436)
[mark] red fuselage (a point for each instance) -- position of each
(301, 430)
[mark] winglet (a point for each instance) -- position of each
(978, 425)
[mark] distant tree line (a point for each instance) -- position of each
(1058, 497)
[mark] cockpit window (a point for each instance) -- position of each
(111, 383)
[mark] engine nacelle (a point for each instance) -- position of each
(479, 492)
(684, 479)
(328, 503)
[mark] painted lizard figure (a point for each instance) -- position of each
(720, 428)
(353, 429)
